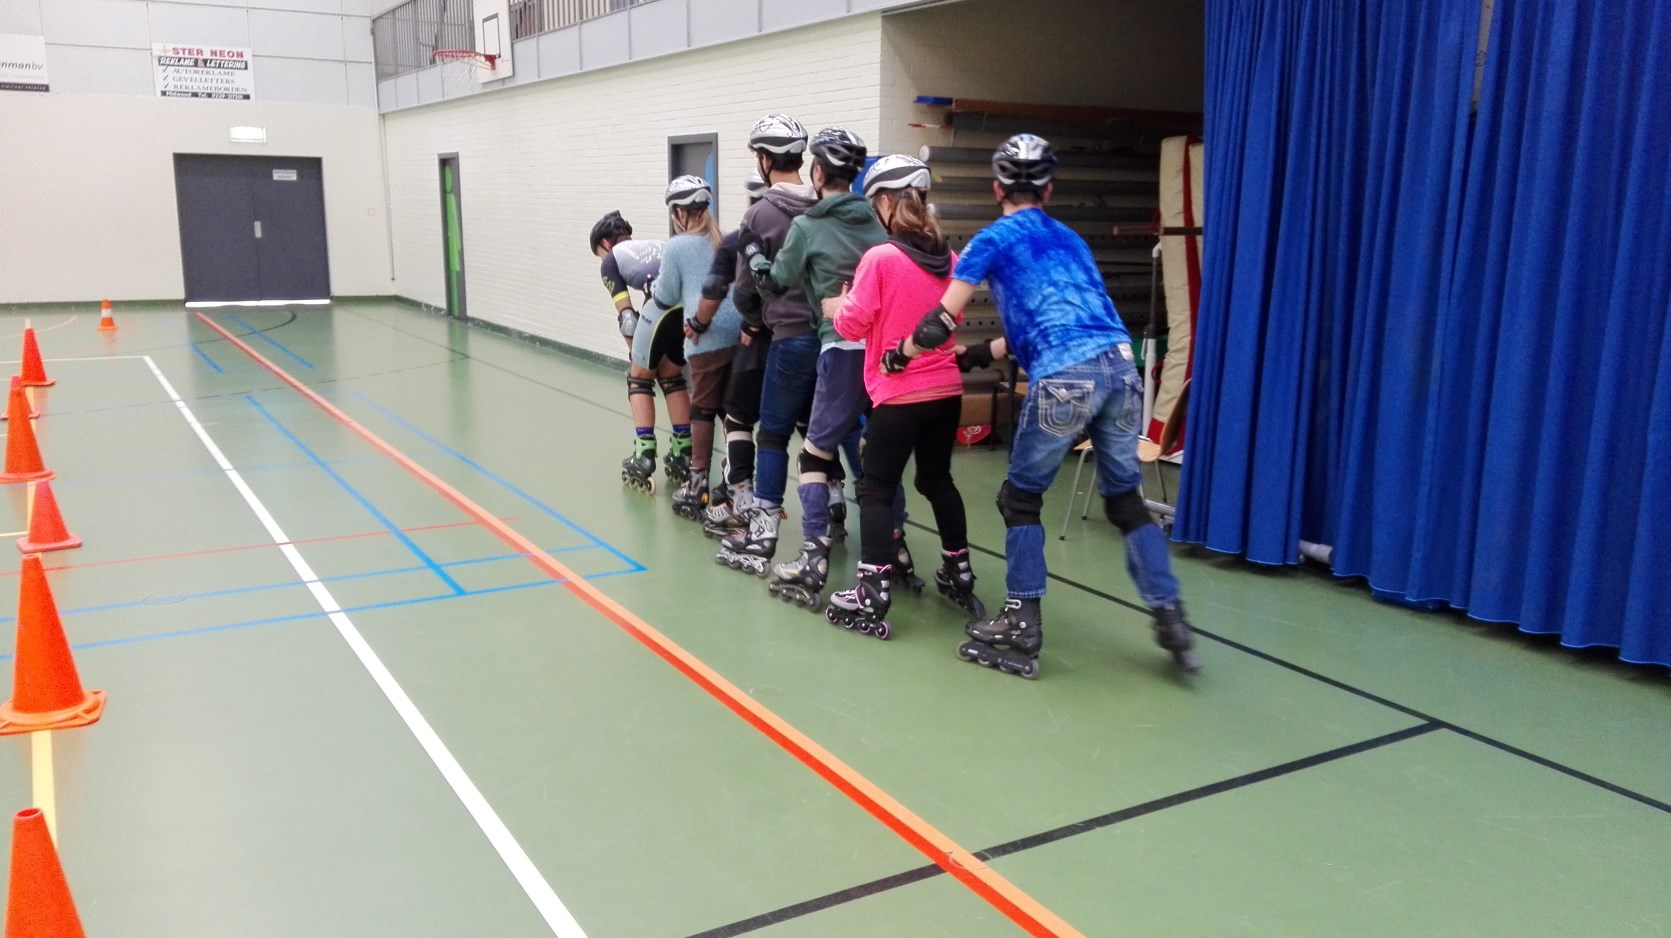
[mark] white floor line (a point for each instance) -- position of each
(545, 900)
(83, 358)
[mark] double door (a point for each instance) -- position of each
(252, 228)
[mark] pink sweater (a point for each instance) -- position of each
(890, 294)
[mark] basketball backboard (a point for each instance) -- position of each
(493, 37)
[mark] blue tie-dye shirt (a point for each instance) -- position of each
(1050, 293)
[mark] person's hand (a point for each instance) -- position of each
(974, 356)
(694, 327)
(895, 360)
(833, 304)
(750, 332)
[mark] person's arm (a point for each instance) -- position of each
(668, 289)
(789, 267)
(615, 283)
(935, 329)
(854, 312)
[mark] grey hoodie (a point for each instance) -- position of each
(790, 313)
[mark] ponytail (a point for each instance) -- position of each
(912, 213)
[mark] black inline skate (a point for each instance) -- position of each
(801, 581)
(751, 550)
(691, 498)
(905, 569)
(838, 512)
(677, 463)
(1172, 633)
(956, 581)
(864, 608)
(638, 471)
(1009, 641)
(727, 511)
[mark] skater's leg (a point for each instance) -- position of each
(936, 436)
(888, 442)
(837, 403)
(790, 375)
(1119, 475)
(641, 399)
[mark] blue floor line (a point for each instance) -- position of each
(542, 506)
(268, 587)
(230, 626)
(254, 333)
(207, 360)
(382, 519)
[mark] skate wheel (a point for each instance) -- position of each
(1029, 671)
(882, 631)
(965, 652)
(1187, 661)
(650, 486)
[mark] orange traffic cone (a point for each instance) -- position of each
(46, 690)
(107, 323)
(34, 373)
(38, 901)
(46, 525)
(23, 456)
(17, 391)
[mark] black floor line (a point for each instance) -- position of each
(906, 878)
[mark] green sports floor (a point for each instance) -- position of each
(483, 690)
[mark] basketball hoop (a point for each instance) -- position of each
(463, 70)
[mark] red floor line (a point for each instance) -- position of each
(267, 546)
(1000, 893)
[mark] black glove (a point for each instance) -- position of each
(696, 325)
(895, 360)
(975, 356)
(755, 330)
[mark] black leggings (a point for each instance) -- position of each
(894, 432)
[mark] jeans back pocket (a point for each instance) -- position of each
(1064, 405)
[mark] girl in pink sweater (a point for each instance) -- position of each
(916, 410)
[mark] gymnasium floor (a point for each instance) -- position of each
(659, 749)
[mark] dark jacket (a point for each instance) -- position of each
(767, 221)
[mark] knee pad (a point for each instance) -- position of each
(734, 427)
(1127, 511)
(937, 487)
(673, 385)
(770, 440)
(703, 414)
(875, 492)
(813, 465)
(641, 386)
(1019, 508)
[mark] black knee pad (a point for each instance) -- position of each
(641, 386)
(733, 425)
(1127, 511)
(1019, 508)
(673, 385)
(937, 487)
(770, 440)
(703, 414)
(818, 465)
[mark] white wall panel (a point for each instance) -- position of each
(301, 35)
(531, 196)
(388, 94)
(303, 6)
(362, 84)
(714, 21)
(604, 42)
(86, 219)
(20, 16)
(559, 52)
(430, 89)
(526, 54)
(96, 23)
(783, 14)
(364, 7)
(200, 25)
(309, 81)
(659, 28)
(95, 70)
(356, 39)
(406, 88)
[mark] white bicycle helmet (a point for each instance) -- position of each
(779, 134)
(895, 172)
(689, 190)
(756, 186)
(1024, 161)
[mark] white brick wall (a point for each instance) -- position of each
(539, 164)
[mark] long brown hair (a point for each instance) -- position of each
(911, 213)
(699, 220)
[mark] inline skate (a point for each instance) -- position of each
(677, 463)
(1173, 634)
(864, 608)
(691, 499)
(1009, 641)
(751, 549)
(904, 568)
(638, 471)
(801, 581)
(838, 512)
(956, 581)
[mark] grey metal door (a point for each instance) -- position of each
(251, 228)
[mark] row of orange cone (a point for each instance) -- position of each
(47, 693)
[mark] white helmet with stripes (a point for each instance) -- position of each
(779, 134)
(689, 190)
(895, 172)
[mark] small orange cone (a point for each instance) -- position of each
(107, 322)
(23, 456)
(34, 373)
(46, 690)
(46, 524)
(17, 391)
(38, 902)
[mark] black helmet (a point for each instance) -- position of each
(840, 148)
(1025, 162)
(689, 190)
(897, 172)
(778, 134)
(611, 227)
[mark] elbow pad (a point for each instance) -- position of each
(935, 330)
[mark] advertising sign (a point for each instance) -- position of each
(22, 63)
(186, 71)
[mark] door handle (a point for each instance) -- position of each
(258, 230)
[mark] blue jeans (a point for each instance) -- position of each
(1103, 395)
(838, 406)
(785, 400)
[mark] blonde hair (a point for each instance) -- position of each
(698, 220)
(912, 213)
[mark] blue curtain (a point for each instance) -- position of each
(1436, 337)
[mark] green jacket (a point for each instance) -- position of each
(823, 249)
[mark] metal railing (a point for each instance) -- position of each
(532, 17)
(405, 38)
